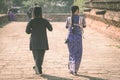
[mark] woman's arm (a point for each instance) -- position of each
(67, 22)
(49, 26)
(29, 28)
(84, 22)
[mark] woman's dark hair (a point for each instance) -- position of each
(73, 9)
(37, 12)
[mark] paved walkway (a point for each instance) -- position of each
(2, 15)
(101, 57)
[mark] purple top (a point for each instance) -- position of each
(79, 22)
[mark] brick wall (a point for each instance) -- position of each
(59, 17)
(110, 17)
(109, 23)
(112, 8)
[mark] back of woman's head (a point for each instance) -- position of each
(74, 9)
(37, 12)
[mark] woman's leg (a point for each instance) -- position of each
(78, 55)
(38, 57)
(75, 55)
(71, 64)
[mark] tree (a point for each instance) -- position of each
(18, 2)
(3, 7)
(51, 6)
(80, 3)
(61, 5)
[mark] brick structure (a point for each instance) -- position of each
(112, 8)
(56, 17)
(104, 4)
(106, 11)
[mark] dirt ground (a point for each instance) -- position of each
(100, 61)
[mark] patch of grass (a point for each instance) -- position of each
(118, 46)
(2, 25)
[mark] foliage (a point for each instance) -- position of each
(50, 6)
(17, 2)
(3, 6)
(80, 3)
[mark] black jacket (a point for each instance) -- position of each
(37, 27)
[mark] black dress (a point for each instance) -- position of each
(38, 29)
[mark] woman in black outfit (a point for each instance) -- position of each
(38, 40)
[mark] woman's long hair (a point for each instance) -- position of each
(37, 12)
(73, 9)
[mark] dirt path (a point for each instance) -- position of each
(101, 56)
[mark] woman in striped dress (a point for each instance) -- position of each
(75, 24)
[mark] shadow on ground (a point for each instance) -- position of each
(90, 77)
(49, 77)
